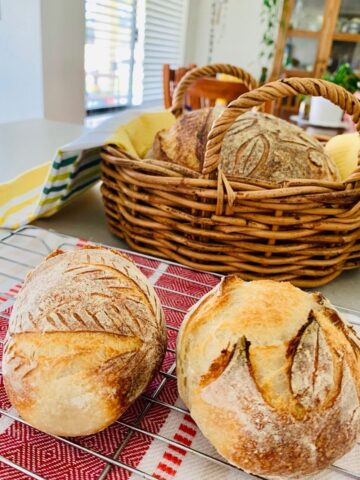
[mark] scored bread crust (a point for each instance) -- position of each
(271, 375)
(259, 145)
(85, 337)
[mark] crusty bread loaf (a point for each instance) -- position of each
(261, 146)
(85, 337)
(184, 143)
(271, 375)
(344, 150)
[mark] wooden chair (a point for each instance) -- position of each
(205, 91)
(285, 107)
(171, 77)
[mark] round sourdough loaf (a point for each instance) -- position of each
(86, 335)
(184, 143)
(271, 375)
(264, 147)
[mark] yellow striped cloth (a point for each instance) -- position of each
(44, 189)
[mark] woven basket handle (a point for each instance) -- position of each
(280, 88)
(208, 71)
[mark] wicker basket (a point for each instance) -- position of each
(304, 231)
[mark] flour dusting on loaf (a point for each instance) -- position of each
(271, 375)
(85, 337)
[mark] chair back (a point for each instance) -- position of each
(285, 107)
(205, 91)
(200, 87)
(171, 77)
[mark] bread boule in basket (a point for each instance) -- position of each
(306, 231)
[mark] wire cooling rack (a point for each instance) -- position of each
(113, 453)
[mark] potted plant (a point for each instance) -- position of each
(323, 111)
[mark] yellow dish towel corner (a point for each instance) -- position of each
(344, 150)
(137, 136)
(24, 183)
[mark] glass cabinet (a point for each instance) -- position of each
(315, 36)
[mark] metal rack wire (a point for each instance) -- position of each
(25, 259)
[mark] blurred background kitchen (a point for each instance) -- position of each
(78, 60)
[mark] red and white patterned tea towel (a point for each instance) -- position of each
(151, 456)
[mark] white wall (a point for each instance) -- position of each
(238, 34)
(42, 60)
(63, 40)
(198, 32)
(20, 60)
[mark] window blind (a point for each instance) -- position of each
(109, 52)
(164, 33)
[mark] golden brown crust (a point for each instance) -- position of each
(217, 367)
(285, 402)
(261, 146)
(85, 337)
(184, 143)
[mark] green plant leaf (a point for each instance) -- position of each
(269, 16)
(345, 77)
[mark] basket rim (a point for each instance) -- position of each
(124, 157)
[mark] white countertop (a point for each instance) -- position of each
(28, 144)
(85, 218)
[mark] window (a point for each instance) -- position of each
(109, 59)
(164, 42)
(127, 42)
